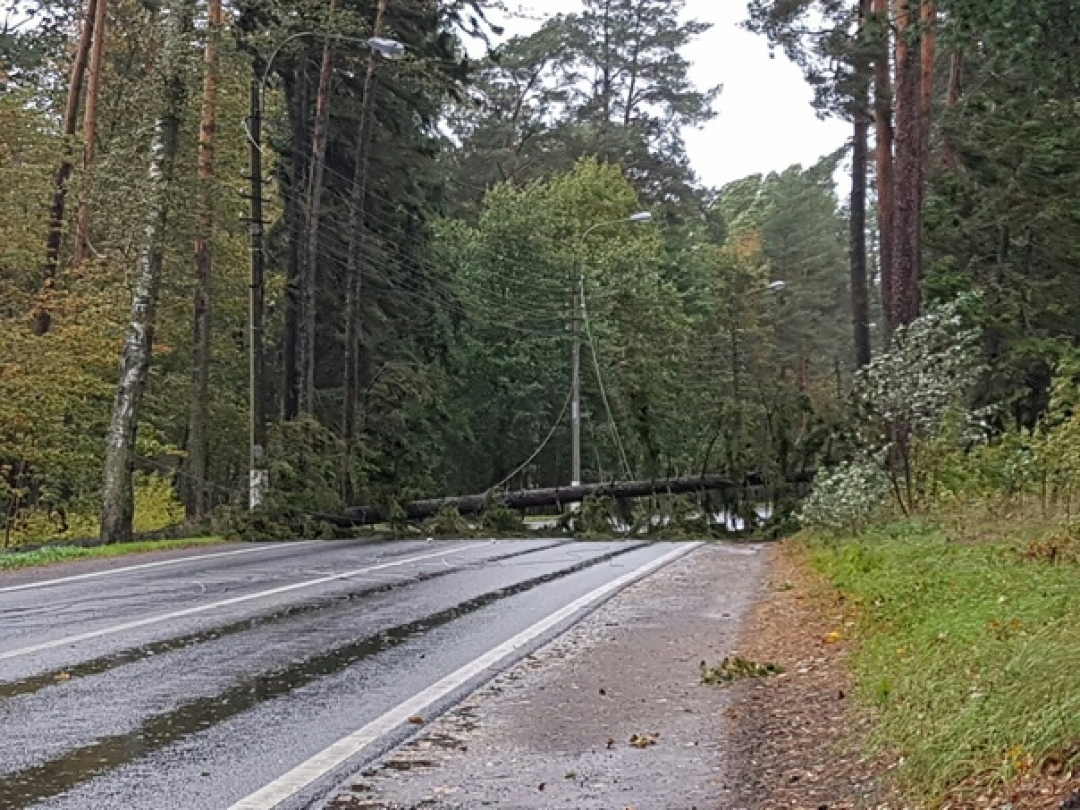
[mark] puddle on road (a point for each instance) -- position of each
(20, 789)
(105, 663)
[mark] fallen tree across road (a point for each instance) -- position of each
(547, 497)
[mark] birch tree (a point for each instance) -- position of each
(118, 503)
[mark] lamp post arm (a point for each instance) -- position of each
(379, 44)
(579, 317)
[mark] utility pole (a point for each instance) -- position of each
(575, 403)
(258, 478)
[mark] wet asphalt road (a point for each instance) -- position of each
(197, 683)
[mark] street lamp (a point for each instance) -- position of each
(772, 286)
(639, 218)
(258, 476)
(383, 46)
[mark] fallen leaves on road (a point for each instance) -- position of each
(644, 740)
(794, 742)
(734, 669)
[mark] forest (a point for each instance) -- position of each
(322, 251)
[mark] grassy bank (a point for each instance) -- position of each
(52, 555)
(970, 652)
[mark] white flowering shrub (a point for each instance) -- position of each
(924, 377)
(914, 393)
(845, 498)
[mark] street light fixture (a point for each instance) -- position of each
(639, 218)
(387, 48)
(384, 46)
(772, 286)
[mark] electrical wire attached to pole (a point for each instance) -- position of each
(603, 390)
(540, 449)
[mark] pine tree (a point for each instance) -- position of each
(54, 238)
(202, 327)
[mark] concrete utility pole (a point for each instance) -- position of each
(575, 379)
(258, 475)
(579, 319)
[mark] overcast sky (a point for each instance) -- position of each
(765, 121)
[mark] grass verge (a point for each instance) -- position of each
(970, 654)
(52, 555)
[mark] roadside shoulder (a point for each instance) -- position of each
(795, 738)
(610, 714)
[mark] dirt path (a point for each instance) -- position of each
(798, 734)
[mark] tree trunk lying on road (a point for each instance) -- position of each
(537, 498)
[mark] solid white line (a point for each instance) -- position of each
(300, 777)
(142, 566)
(236, 600)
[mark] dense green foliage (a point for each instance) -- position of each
(1003, 216)
(483, 185)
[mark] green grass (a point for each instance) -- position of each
(970, 653)
(59, 554)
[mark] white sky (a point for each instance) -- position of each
(765, 120)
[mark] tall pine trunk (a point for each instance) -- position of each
(860, 286)
(313, 205)
(885, 175)
(93, 94)
(294, 215)
(907, 244)
(198, 441)
(118, 501)
(928, 59)
(355, 264)
(54, 236)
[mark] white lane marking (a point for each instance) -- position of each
(287, 786)
(142, 566)
(236, 600)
